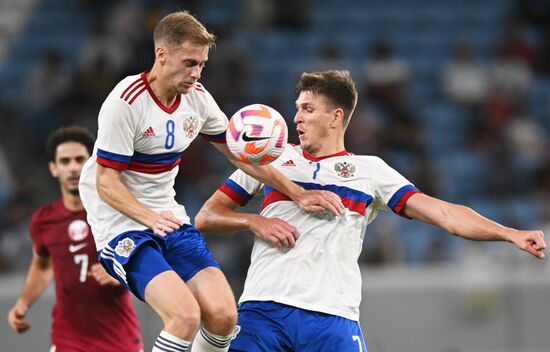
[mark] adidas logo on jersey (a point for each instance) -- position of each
(288, 163)
(149, 132)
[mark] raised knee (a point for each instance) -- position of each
(184, 320)
(230, 318)
(222, 321)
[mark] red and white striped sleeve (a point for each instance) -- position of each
(392, 190)
(115, 137)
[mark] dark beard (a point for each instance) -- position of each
(74, 191)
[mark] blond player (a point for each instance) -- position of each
(144, 236)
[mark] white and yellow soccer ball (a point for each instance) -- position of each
(257, 134)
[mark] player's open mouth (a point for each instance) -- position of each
(186, 85)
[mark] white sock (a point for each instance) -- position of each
(207, 342)
(167, 342)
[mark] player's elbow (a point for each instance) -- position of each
(201, 220)
(103, 186)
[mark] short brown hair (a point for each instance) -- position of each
(336, 86)
(177, 27)
(69, 134)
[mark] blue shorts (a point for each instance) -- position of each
(135, 257)
(274, 327)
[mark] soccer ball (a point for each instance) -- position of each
(256, 134)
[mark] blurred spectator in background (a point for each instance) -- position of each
(382, 245)
(515, 41)
(257, 15)
(543, 64)
(265, 14)
(510, 77)
(292, 14)
(89, 86)
(543, 179)
(122, 19)
(386, 76)
(525, 136)
(94, 82)
(535, 12)
(8, 193)
(365, 131)
(519, 148)
(6, 180)
(229, 71)
(48, 82)
(495, 114)
(329, 57)
(45, 86)
(14, 243)
(113, 50)
(464, 79)
(386, 85)
(510, 80)
(465, 84)
(401, 134)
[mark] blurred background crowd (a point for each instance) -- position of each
(453, 94)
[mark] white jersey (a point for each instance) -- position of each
(321, 272)
(145, 139)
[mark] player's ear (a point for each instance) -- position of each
(53, 169)
(337, 118)
(160, 54)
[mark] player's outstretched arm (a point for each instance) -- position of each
(113, 192)
(312, 201)
(38, 278)
(465, 222)
(218, 215)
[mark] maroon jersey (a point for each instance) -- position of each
(86, 316)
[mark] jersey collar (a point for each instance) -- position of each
(313, 158)
(167, 109)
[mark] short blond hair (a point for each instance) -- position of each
(178, 27)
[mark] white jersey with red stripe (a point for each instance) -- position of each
(140, 136)
(321, 272)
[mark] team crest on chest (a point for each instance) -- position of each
(344, 169)
(191, 126)
(125, 247)
(78, 230)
